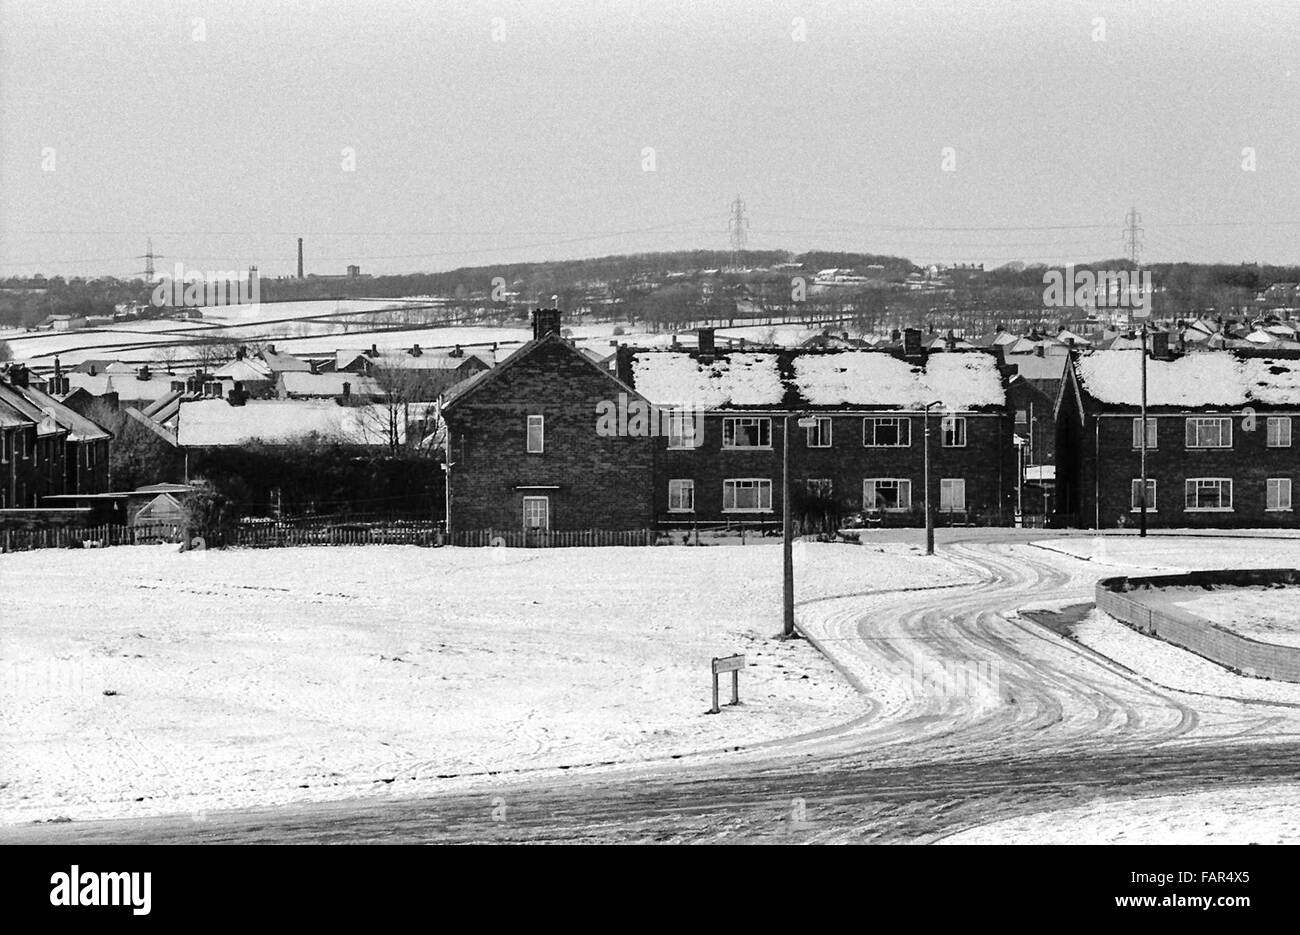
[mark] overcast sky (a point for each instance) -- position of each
(498, 131)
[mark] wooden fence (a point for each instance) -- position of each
(552, 539)
(250, 535)
(65, 537)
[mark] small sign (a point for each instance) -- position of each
(808, 422)
(732, 664)
(728, 664)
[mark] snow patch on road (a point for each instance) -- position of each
(1240, 815)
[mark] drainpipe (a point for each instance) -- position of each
(1096, 472)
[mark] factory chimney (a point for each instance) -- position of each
(300, 258)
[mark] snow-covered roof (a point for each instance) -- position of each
(126, 386)
(328, 384)
(80, 429)
(958, 380)
(205, 423)
(1220, 379)
(244, 370)
(844, 378)
(739, 379)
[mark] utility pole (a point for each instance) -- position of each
(787, 541)
(929, 516)
(1132, 234)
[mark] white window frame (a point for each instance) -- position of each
(1152, 433)
(946, 487)
(822, 431)
(679, 489)
(1279, 422)
(899, 422)
(1223, 483)
(540, 423)
(1192, 431)
(1134, 506)
(898, 483)
(1279, 484)
(758, 484)
(546, 503)
(681, 430)
(952, 425)
(731, 423)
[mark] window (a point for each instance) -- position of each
(537, 512)
(1213, 432)
(1279, 432)
(681, 496)
(681, 429)
(1135, 495)
(746, 495)
(952, 495)
(887, 433)
(819, 435)
(818, 488)
(886, 493)
(1209, 493)
(953, 429)
(26, 445)
(746, 433)
(1279, 494)
(4, 447)
(1022, 417)
(536, 435)
(1151, 433)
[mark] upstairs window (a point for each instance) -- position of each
(819, 435)
(1137, 433)
(1209, 432)
(681, 429)
(536, 434)
(887, 432)
(747, 433)
(1279, 432)
(953, 430)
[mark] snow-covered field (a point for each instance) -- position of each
(1264, 614)
(1234, 815)
(1185, 551)
(138, 680)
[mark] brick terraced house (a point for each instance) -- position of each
(1220, 450)
(861, 451)
(524, 448)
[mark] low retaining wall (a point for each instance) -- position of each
(1116, 596)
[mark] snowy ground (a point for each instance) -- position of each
(1174, 667)
(138, 680)
(1267, 615)
(1235, 815)
(1185, 551)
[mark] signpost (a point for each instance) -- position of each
(732, 664)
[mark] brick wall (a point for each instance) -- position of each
(1248, 463)
(986, 463)
(597, 482)
(1185, 629)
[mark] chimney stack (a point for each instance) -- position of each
(237, 396)
(705, 338)
(911, 342)
(545, 321)
(1160, 344)
(300, 258)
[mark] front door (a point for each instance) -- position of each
(537, 514)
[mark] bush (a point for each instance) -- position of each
(208, 516)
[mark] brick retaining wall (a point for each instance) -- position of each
(1115, 596)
